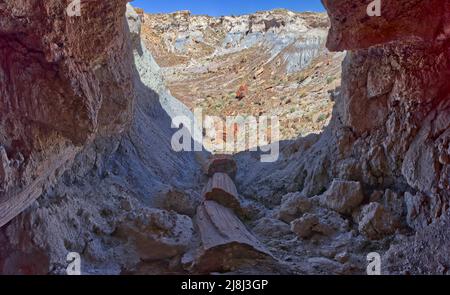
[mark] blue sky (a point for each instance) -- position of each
(225, 7)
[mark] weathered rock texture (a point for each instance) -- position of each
(226, 244)
(389, 131)
(101, 207)
(62, 81)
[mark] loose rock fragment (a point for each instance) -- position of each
(272, 228)
(242, 92)
(157, 234)
(323, 222)
(303, 226)
(182, 202)
(292, 206)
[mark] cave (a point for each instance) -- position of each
(87, 166)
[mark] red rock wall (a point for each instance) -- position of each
(62, 80)
(395, 95)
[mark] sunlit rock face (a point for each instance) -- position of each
(181, 36)
(395, 101)
(395, 90)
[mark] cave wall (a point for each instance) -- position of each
(109, 203)
(395, 93)
(62, 79)
(395, 99)
(390, 128)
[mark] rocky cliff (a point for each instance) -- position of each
(389, 132)
(113, 174)
(61, 82)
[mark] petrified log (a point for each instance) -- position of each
(225, 241)
(242, 91)
(221, 188)
(221, 164)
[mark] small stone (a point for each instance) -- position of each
(303, 226)
(273, 228)
(242, 92)
(342, 257)
(125, 204)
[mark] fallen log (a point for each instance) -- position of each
(221, 164)
(226, 244)
(221, 188)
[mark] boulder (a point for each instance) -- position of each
(272, 228)
(182, 202)
(292, 206)
(303, 227)
(343, 196)
(323, 222)
(376, 222)
(242, 91)
(156, 234)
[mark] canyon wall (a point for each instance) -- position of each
(389, 131)
(108, 201)
(181, 37)
(62, 80)
(269, 62)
